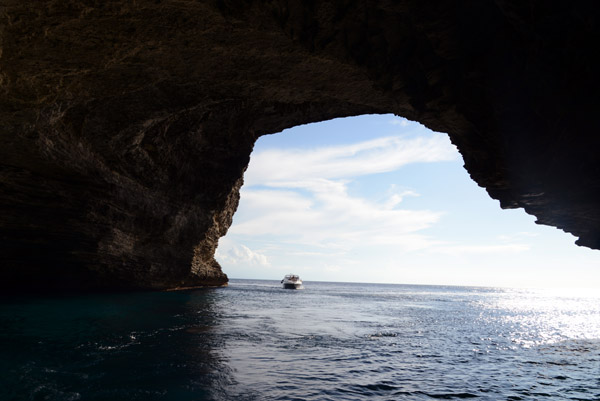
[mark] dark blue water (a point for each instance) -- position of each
(330, 341)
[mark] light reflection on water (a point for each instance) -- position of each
(347, 341)
(330, 341)
(539, 316)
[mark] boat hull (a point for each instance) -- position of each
(292, 286)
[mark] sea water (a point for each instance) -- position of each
(330, 341)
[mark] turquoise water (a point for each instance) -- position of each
(330, 341)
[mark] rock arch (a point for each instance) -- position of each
(127, 126)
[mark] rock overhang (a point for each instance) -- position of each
(127, 127)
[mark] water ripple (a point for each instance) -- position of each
(254, 341)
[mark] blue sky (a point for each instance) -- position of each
(378, 198)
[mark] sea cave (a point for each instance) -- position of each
(127, 126)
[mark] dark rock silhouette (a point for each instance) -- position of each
(127, 126)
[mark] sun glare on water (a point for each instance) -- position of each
(547, 316)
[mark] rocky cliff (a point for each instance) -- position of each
(127, 125)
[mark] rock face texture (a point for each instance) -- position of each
(126, 126)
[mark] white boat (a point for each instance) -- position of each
(292, 282)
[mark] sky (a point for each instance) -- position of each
(381, 199)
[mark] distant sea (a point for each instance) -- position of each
(331, 341)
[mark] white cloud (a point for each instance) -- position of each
(480, 249)
(403, 122)
(300, 196)
(516, 237)
(333, 268)
(396, 199)
(277, 166)
(235, 254)
(326, 215)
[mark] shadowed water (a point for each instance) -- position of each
(330, 341)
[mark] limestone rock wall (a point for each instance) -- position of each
(126, 126)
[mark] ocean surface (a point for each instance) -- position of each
(330, 341)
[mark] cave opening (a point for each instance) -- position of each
(379, 198)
